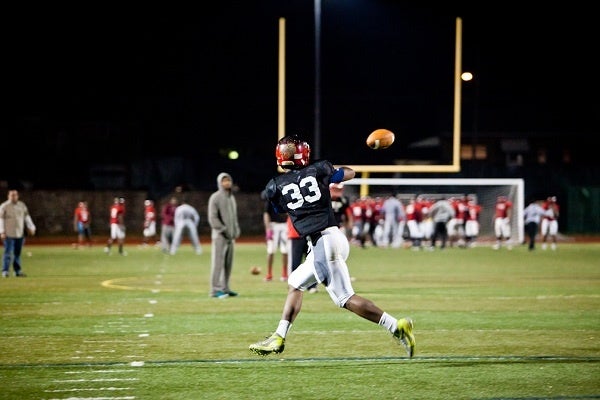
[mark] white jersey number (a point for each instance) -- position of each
(293, 190)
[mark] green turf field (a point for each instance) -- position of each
(488, 324)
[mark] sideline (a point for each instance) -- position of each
(205, 239)
(130, 240)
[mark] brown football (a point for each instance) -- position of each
(380, 139)
(255, 270)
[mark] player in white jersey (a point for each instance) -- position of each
(186, 219)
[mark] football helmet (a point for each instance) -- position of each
(292, 152)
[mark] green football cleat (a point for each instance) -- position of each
(405, 336)
(272, 344)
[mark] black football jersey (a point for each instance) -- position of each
(275, 216)
(304, 195)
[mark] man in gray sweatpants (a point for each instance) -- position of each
(225, 228)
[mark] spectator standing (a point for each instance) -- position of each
(532, 214)
(82, 224)
(14, 219)
(502, 217)
(167, 228)
(117, 226)
(550, 222)
(225, 229)
(149, 227)
(186, 219)
(276, 235)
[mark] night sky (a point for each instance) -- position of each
(95, 86)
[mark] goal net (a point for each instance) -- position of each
(484, 191)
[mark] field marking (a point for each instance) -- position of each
(120, 283)
(102, 389)
(117, 284)
(279, 359)
(95, 380)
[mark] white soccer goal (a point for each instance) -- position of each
(485, 191)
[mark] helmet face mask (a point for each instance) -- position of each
(291, 152)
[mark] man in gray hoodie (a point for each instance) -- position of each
(225, 228)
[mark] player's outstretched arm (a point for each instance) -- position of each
(348, 173)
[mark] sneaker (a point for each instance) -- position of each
(20, 274)
(232, 293)
(405, 336)
(272, 344)
(313, 290)
(107, 250)
(268, 278)
(283, 279)
(5, 274)
(219, 294)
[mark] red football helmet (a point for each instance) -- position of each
(292, 152)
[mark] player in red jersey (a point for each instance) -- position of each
(167, 230)
(358, 210)
(427, 221)
(456, 225)
(297, 251)
(472, 222)
(414, 217)
(82, 220)
(550, 222)
(149, 231)
(276, 235)
(117, 225)
(502, 222)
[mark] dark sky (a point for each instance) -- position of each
(87, 86)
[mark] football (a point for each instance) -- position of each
(380, 139)
(255, 270)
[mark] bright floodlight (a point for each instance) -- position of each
(466, 76)
(233, 155)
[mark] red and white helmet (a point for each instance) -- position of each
(292, 152)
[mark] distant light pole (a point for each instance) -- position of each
(317, 143)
